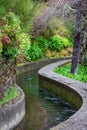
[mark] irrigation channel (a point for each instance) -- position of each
(43, 109)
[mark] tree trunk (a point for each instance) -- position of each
(83, 47)
(76, 49)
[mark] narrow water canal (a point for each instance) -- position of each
(43, 109)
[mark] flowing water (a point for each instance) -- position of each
(43, 109)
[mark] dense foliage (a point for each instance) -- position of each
(13, 40)
(43, 43)
(25, 9)
(16, 44)
(0, 48)
(58, 43)
(16, 19)
(34, 53)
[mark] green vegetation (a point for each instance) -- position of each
(25, 9)
(65, 71)
(18, 21)
(9, 94)
(43, 43)
(34, 53)
(0, 48)
(24, 37)
(24, 42)
(53, 46)
(16, 42)
(58, 43)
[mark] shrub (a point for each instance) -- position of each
(58, 43)
(14, 40)
(34, 52)
(0, 48)
(10, 51)
(12, 24)
(23, 42)
(65, 42)
(71, 40)
(43, 43)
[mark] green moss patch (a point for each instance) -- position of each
(10, 94)
(65, 71)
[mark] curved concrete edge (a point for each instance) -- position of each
(32, 66)
(13, 114)
(79, 120)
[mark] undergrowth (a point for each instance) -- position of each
(10, 94)
(65, 71)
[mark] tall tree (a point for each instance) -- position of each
(76, 49)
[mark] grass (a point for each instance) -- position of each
(10, 94)
(65, 71)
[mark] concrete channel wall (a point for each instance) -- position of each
(72, 90)
(12, 114)
(32, 66)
